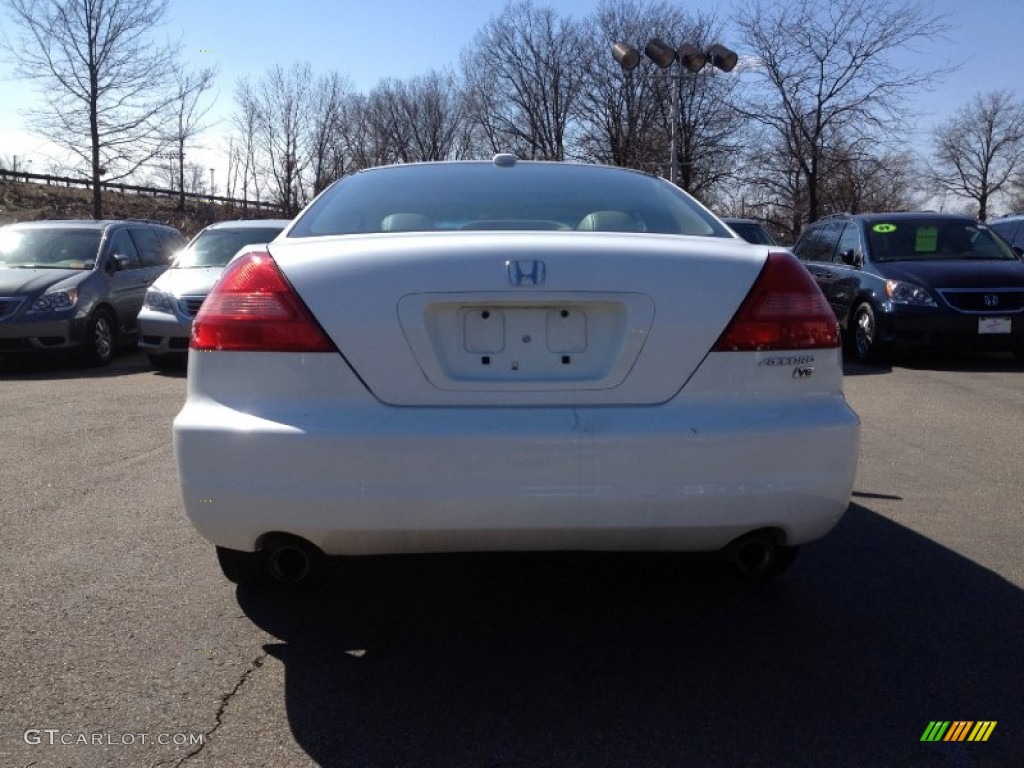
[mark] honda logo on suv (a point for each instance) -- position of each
(991, 300)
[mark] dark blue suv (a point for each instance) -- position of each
(899, 280)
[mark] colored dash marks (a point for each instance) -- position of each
(958, 730)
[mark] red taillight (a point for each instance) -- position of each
(784, 310)
(253, 308)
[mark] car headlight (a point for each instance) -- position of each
(899, 292)
(55, 301)
(159, 301)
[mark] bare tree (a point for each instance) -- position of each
(366, 135)
(878, 181)
(622, 113)
(189, 113)
(979, 152)
(326, 152)
(423, 118)
(626, 117)
(105, 82)
(772, 187)
(246, 121)
(524, 76)
(284, 108)
(1017, 194)
(825, 76)
(234, 168)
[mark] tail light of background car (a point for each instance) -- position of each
(253, 308)
(784, 310)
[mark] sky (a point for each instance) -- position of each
(371, 41)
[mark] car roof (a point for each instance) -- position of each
(897, 216)
(737, 220)
(83, 223)
(505, 161)
(250, 224)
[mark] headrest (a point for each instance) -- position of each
(405, 222)
(609, 221)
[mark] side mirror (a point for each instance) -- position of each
(850, 257)
(121, 261)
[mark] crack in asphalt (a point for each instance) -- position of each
(218, 716)
(301, 615)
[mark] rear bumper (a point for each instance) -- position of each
(355, 476)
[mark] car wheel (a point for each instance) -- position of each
(167, 362)
(100, 339)
(866, 345)
(247, 569)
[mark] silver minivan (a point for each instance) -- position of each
(165, 322)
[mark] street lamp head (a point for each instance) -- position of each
(627, 56)
(691, 57)
(660, 53)
(723, 58)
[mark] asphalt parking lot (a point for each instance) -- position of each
(123, 645)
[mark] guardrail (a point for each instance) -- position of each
(45, 178)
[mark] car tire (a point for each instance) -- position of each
(866, 346)
(247, 569)
(167, 362)
(100, 339)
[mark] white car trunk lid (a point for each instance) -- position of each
(521, 318)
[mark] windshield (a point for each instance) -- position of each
(934, 239)
(752, 232)
(483, 196)
(56, 248)
(215, 247)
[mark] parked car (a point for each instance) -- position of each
(751, 231)
(898, 280)
(165, 322)
(511, 355)
(1011, 228)
(78, 285)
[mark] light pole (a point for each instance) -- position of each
(211, 185)
(690, 58)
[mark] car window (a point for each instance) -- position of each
(56, 248)
(122, 245)
(752, 232)
(1011, 231)
(149, 247)
(934, 239)
(819, 242)
(215, 247)
(171, 242)
(848, 241)
(483, 196)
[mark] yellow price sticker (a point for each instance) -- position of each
(884, 229)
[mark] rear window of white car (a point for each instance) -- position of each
(483, 196)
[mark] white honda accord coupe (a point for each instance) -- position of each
(507, 355)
